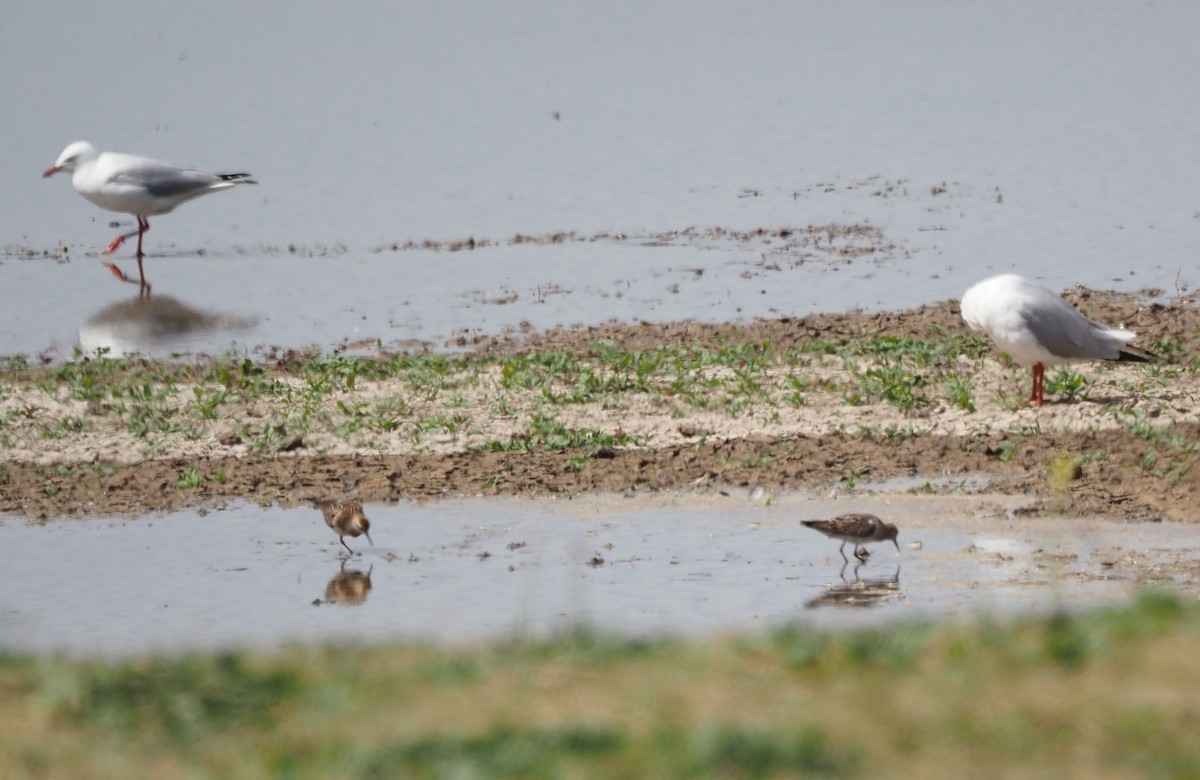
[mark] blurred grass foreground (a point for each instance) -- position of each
(1104, 694)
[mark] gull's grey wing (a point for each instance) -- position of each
(1066, 333)
(167, 182)
(156, 178)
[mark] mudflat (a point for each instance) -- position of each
(824, 402)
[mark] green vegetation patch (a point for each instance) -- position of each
(1110, 692)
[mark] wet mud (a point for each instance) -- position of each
(1121, 484)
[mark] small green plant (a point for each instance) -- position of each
(1008, 397)
(796, 391)
(893, 384)
(849, 483)
(960, 392)
(905, 432)
(105, 469)
(1066, 384)
(206, 403)
(190, 479)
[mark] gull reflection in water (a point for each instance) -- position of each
(349, 587)
(153, 326)
(858, 593)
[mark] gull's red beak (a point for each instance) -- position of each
(53, 169)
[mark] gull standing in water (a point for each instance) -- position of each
(1038, 328)
(136, 185)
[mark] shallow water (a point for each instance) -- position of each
(1055, 141)
(460, 571)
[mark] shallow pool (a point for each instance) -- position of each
(466, 570)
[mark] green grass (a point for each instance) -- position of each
(372, 402)
(190, 479)
(1067, 384)
(1108, 693)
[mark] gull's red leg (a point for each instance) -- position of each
(143, 226)
(116, 242)
(1039, 377)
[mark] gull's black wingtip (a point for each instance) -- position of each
(1137, 355)
(242, 178)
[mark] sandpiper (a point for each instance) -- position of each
(346, 518)
(349, 587)
(859, 529)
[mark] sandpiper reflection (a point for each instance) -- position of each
(349, 587)
(858, 593)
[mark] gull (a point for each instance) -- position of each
(1038, 328)
(857, 528)
(135, 185)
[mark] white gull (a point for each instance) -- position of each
(136, 185)
(1037, 328)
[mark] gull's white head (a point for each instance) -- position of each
(74, 155)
